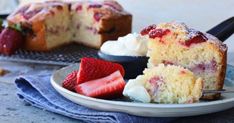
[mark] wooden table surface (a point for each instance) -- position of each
(199, 14)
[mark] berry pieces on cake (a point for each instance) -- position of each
(165, 84)
(177, 44)
(54, 23)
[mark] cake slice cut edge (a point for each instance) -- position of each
(167, 84)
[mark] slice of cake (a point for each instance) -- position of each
(47, 24)
(53, 23)
(175, 43)
(96, 22)
(165, 84)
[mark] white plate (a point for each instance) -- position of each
(140, 109)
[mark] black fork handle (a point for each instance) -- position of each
(223, 30)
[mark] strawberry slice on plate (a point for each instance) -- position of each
(91, 68)
(70, 81)
(105, 88)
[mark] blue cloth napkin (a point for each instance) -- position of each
(37, 90)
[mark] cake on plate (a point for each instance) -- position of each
(53, 23)
(177, 44)
(165, 84)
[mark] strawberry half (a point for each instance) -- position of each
(105, 88)
(91, 68)
(70, 81)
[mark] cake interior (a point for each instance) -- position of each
(57, 27)
(85, 28)
(169, 84)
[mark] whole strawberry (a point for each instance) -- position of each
(10, 40)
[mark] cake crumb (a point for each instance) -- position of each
(3, 72)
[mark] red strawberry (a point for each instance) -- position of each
(10, 40)
(91, 68)
(70, 81)
(108, 87)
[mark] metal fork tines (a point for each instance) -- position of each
(218, 91)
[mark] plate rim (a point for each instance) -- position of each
(131, 104)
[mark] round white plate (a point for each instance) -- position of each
(140, 109)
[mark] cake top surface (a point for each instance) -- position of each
(32, 11)
(102, 8)
(184, 34)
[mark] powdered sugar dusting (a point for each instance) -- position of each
(216, 41)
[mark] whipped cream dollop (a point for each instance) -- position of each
(130, 45)
(135, 90)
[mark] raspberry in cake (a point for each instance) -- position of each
(165, 84)
(180, 45)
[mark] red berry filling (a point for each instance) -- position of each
(158, 33)
(79, 8)
(198, 38)
(30, 14)
(167, 62)
(97, 16)
(146, 30)
(94, 6)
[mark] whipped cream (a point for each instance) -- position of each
(135, 89)
(130, 45)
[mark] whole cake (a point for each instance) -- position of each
(175, 43)
(53, 23)
(165, 84)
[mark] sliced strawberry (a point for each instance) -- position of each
(70, 81)
(105, 88)
(91, 68)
